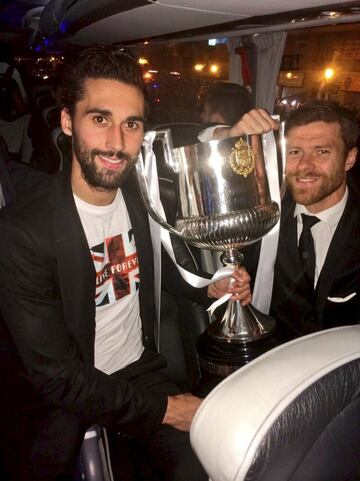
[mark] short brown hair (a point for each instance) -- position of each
(329, 112)
(101, 61)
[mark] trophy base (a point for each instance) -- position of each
(241, 324)
(218, 359)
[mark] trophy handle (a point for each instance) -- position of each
(165, 137)
(168, 147)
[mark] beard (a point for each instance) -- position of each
(309, 195)
(101, 178)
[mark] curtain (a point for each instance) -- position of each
(269, 51)
(235, 70)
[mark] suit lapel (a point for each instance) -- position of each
(140, 225)
(342, 242)
(76, 269)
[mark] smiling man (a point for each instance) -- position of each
(317, 162)
(111, 117)
(77, 294)
(317, 269)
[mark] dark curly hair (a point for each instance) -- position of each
(101, 61)
(329, 112)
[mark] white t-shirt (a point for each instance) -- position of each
(118, 338)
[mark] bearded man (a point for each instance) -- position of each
(317, 268)
(77, 294)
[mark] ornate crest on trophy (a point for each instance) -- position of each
(242, 159)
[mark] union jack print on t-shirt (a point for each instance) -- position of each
(117, 268)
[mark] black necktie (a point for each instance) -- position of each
(306, 248)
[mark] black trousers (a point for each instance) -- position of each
(42, 447)
(44, 444)
(168, 456)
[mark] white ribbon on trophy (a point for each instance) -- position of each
(262, 292)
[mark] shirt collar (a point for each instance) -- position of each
(331, 215)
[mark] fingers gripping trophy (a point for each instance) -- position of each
(224, 205)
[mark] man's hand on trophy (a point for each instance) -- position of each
(181, 410)
(256, 121)
(238, 285)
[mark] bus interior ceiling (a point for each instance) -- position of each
(312, 49)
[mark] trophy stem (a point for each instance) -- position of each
(231, 341)
(240, 324)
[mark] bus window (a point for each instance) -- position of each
(320, 63)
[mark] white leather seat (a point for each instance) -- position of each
(291, 414)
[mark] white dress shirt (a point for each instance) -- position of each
(323, 231)
(207, 134)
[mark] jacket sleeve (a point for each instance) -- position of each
(33, 311)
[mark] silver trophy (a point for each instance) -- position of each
(224, 205)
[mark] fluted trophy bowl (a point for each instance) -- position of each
(230, 231)
(224, 204)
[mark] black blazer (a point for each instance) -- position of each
(297, 311)
(47, 292)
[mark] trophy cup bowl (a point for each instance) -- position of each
(224, 204)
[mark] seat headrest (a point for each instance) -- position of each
(62, 143)
(237, 415)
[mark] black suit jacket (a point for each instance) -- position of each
(297, 311)
(47, 292)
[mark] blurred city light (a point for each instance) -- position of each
(214, 69)
(330, 13)
(143, 61)
(329, 73)
(199, 67)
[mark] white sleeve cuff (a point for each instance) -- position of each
(207, 134)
